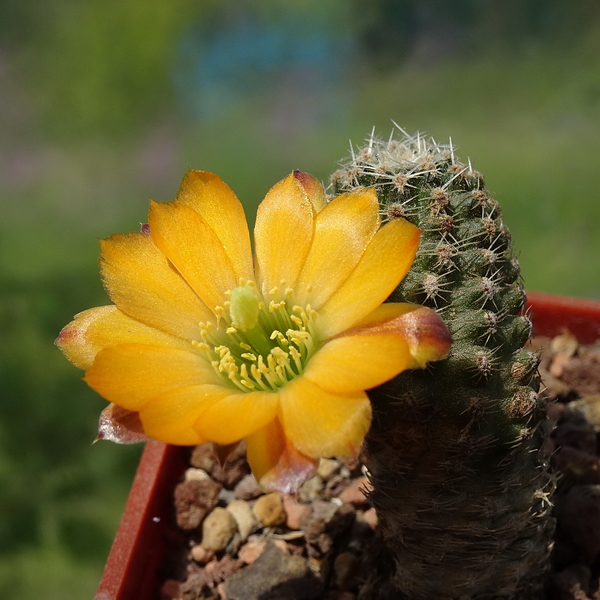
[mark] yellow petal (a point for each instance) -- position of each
(425, 333)
(343, 230)
(237, 416)
(283, 234)
(170, 416)
(360, 362)
(132, 374)
(210, 196)
(320, 423)
(274, 461)
(187, 240)
(142, 283)
(97, 328)
(385, 262)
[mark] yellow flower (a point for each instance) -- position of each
(202, 345)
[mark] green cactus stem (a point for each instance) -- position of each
(456, 452)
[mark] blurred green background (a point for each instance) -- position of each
(105, 103)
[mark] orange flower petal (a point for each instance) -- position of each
(121, 426)
(187, 240)
(385, 262)
(425, 333)
(170, 416)
(97, 328)
(132, 374)
(283, 234)
(142, 283)
(359, 362)
(319, 423)
(210, 196)
(275, 462)
(343, 229)
(237, 416)
(313, 188)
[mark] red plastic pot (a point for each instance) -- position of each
(131, 570)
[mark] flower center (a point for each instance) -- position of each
(258, 346)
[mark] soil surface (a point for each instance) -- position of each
(233, 542)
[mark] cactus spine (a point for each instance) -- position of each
(456, 452)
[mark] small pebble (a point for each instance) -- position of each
(194, 499)
(269, 510)
(295, 512)
(193, 474)
(247, 488)
(195, 585)
(327, 468)
(203, 457)
(234, 466)
(354, 493)
(217, 529)
(220, 570)
(244, 517)
(221, 590)
(226, 496)
(201, 555)
(565, 343)
(370, 516)
(251, 551)
(335, 486)
(310, 490)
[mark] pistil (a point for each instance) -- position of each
(255, 346)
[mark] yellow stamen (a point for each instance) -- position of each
(258, 347)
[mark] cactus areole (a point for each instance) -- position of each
(456, 451)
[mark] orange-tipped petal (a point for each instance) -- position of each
(237, 416)
(97, 328)
(320, 423)
(132, 374)
(143, 284)
(210, 196)
(169, 417)
(283, 234)
(313, 188)
(426, 334)
(275, 462)
(351, 364)
(187, 240)
(121, 426)
(343, 230)
(385, 262)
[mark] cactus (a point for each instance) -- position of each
(456, 452)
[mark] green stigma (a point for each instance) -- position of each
(244, 307)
